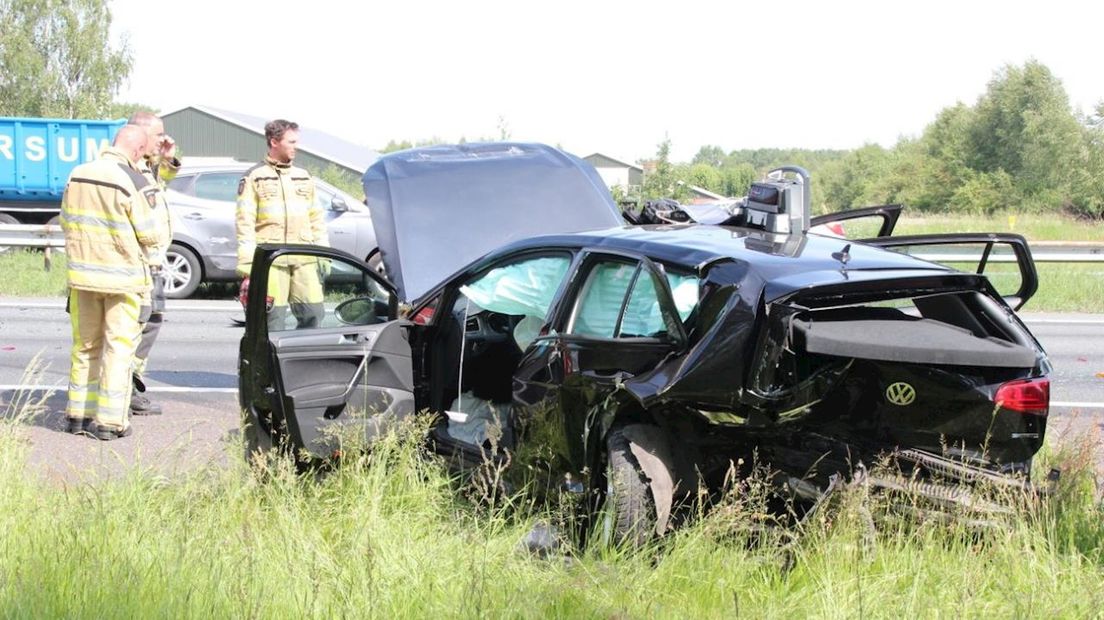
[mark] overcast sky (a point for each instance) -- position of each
(614, 77)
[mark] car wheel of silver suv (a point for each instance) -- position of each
(182, 272)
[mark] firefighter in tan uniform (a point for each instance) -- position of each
(276, 205)
(158, 165)
(107, 216)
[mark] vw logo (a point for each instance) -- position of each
(900, 394)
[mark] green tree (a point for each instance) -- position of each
(663, 180)
(737, 179)
(854, 180)
(1024, 126)
(705, 175)
(57, 58)
(710, 155)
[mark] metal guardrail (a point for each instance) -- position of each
(32, 235)
(45, 236)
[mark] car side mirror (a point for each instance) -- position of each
(338, 205)
(359, 311)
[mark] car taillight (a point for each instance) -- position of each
(424, 316)
(1028, 396)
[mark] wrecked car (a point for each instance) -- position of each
(627, 365)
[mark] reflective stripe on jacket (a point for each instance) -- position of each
(107, 217)
(276, 205)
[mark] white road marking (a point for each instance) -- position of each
(152, 388)
(1064, 321)
(1076, 405)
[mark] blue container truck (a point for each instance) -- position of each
(36, 157)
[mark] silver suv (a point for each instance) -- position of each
(202, 200)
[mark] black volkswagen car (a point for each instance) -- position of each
(630, 364)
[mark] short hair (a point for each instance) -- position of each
(275, 130)
(130, 137)
(142, 118)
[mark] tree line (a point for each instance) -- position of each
(1019, 147)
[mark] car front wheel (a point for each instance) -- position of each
(629, 514)
(182, 272)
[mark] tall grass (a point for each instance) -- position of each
(385, 535)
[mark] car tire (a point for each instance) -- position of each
(375, 261)
(182, 272)
(629, 514)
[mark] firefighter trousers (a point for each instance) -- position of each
(151, 317)
(105, 335)
(299, 287)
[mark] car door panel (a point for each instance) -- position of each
(347, 380)
(345, 377)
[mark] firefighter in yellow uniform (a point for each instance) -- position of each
(107, 215)
(276, 205)
(158, 165)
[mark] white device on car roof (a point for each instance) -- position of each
(780, 204)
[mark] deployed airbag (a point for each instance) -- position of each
(918, 341)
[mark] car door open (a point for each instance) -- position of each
(323, 361)
(1004, 258)
(858, 223)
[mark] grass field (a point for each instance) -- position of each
(1034, 227)
(388, 536)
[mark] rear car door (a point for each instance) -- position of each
(324, 365)
(206, 215)
(1004, 258)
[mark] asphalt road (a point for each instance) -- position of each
(193, 375)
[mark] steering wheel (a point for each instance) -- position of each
(485, 328)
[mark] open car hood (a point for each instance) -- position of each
(437, 209)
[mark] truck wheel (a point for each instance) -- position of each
(182, 272)
(629, 514)
(6, 219)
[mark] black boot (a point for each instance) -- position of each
(140, 405)
(107, 433)
(78, 426)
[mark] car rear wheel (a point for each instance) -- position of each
(629, 514)
(182, 272)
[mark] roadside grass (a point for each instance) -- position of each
(385, 535)
(22, 274)
(1035, 227)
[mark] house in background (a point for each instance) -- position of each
(616, 173)
(210, 132)
(630, 178)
